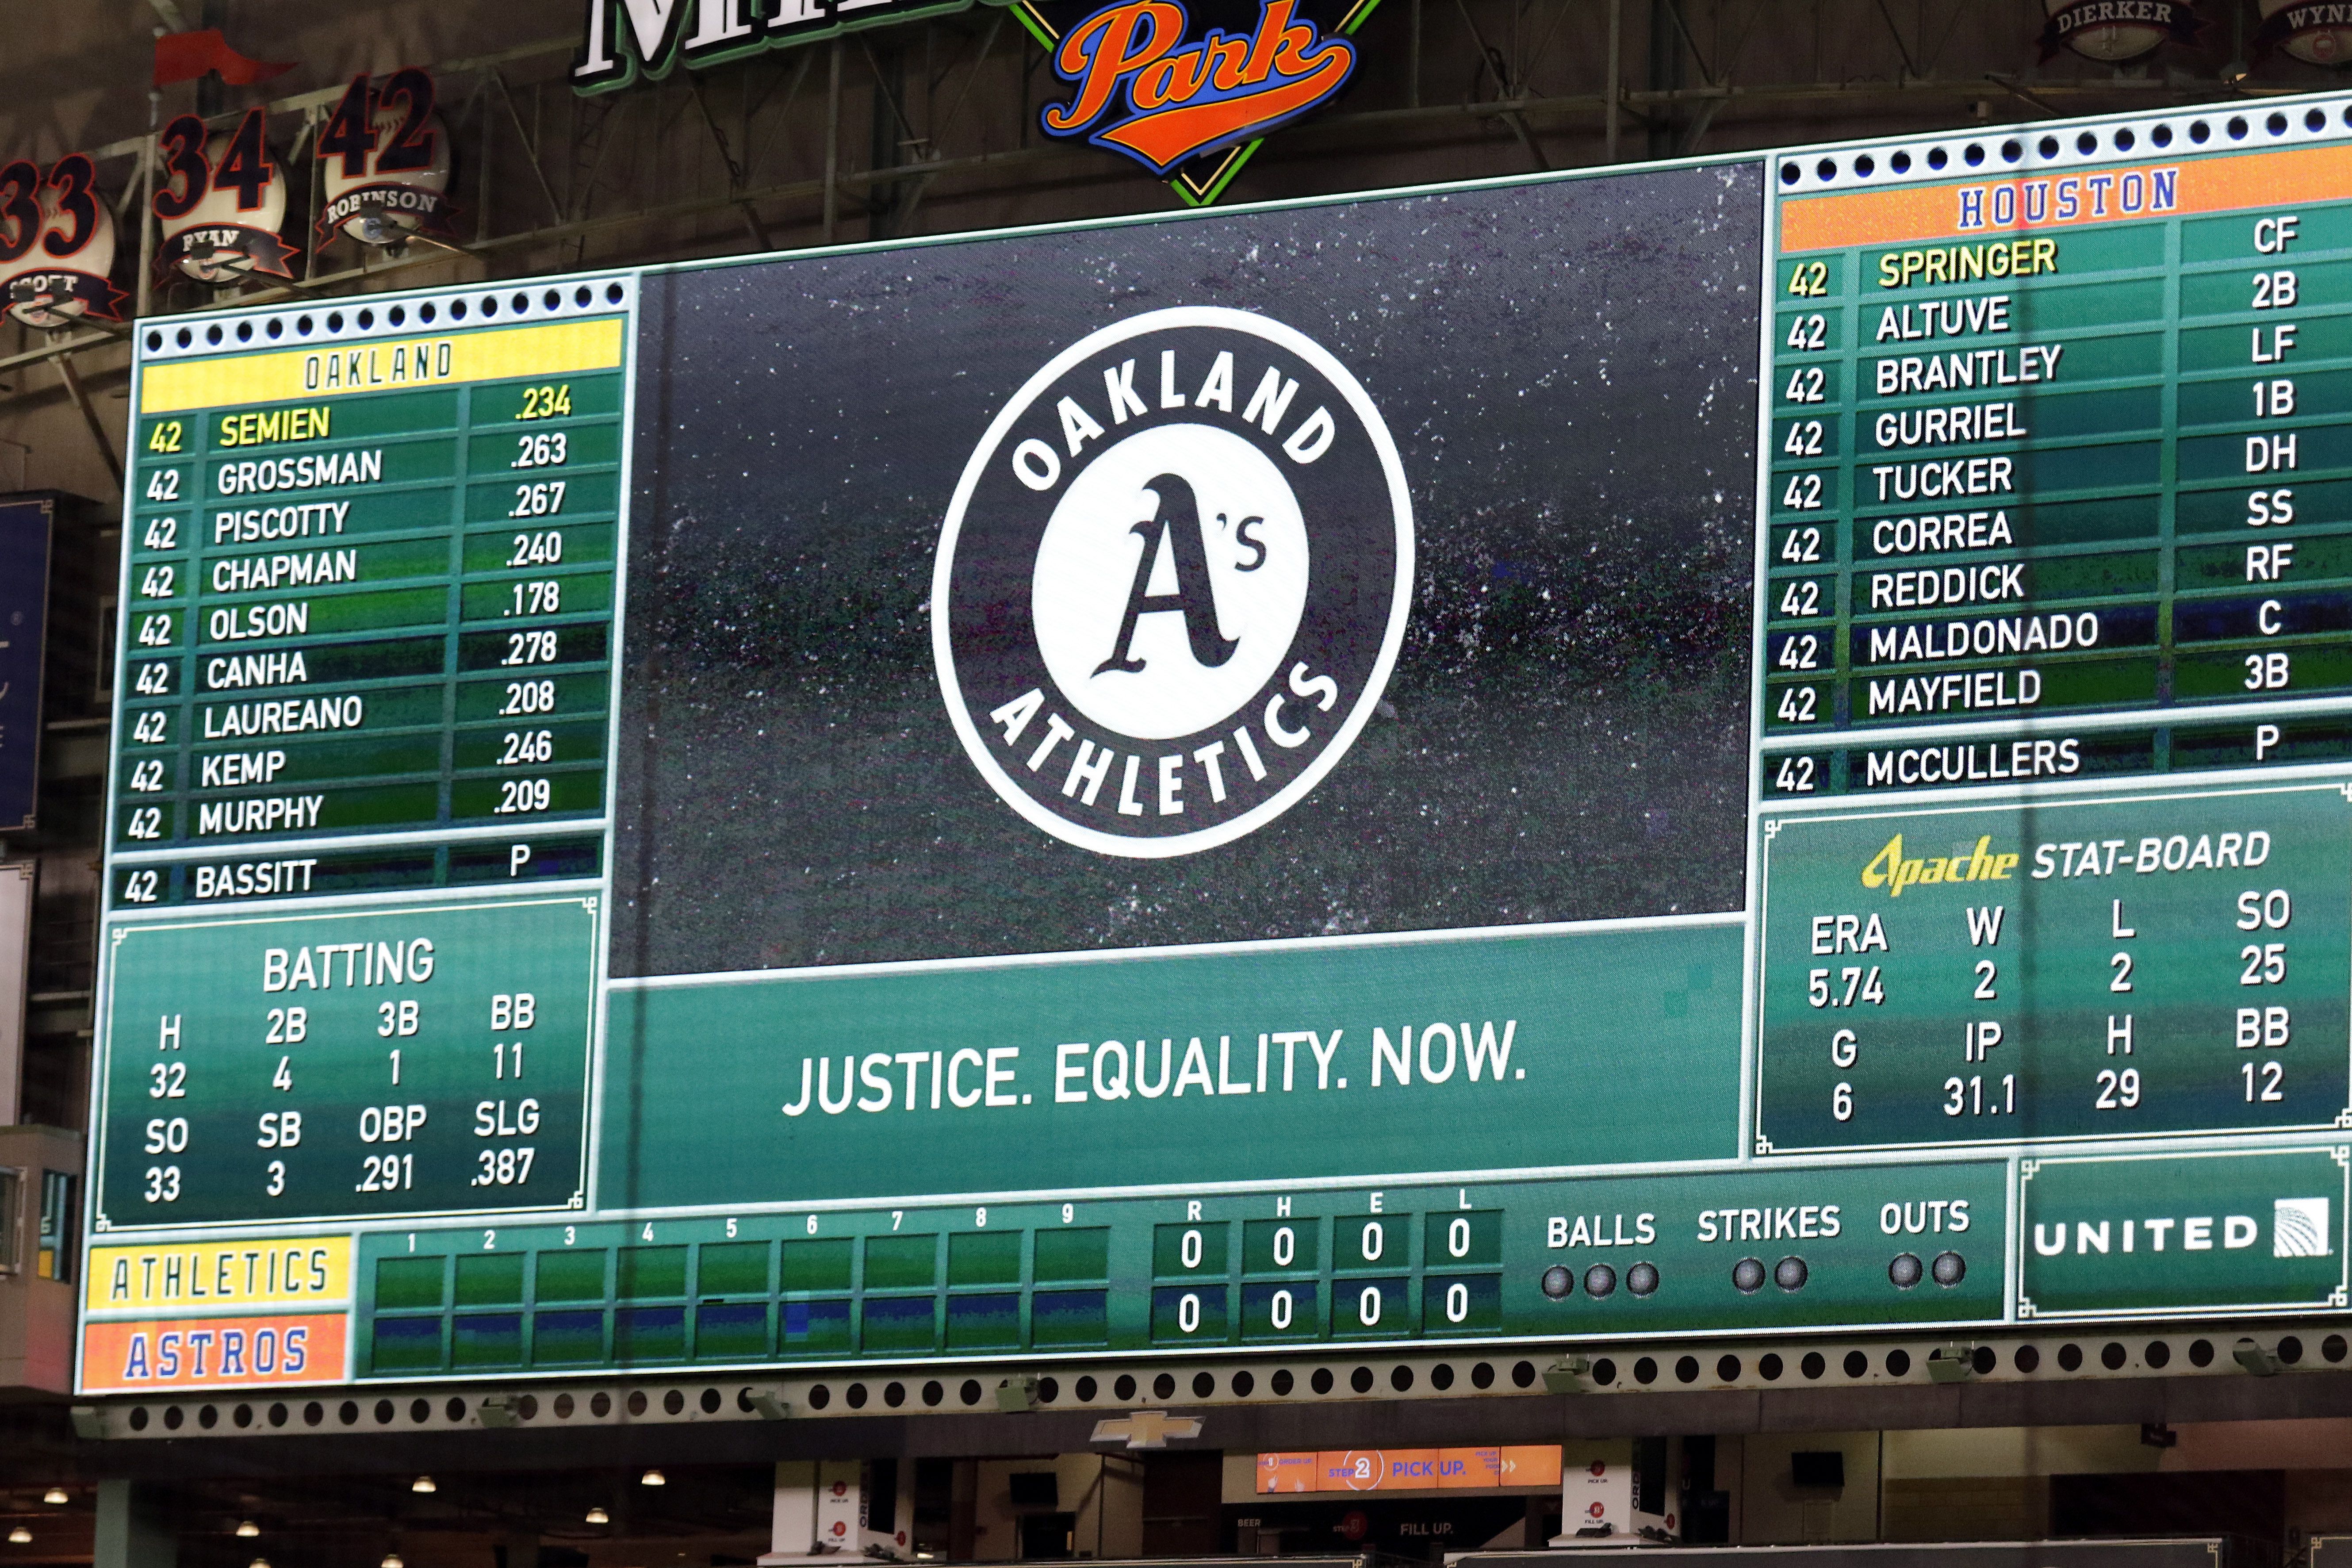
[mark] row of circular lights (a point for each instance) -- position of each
(425, 313)
(1748, 1276)
(1127, 1387)
(2236, 127)
(1983, 1359)
(969, 1393)
(1242, 1383)
(313, 1413)
(1283, 1382)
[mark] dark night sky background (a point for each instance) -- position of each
(1568, 369)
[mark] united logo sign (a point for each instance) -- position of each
(1173, 582)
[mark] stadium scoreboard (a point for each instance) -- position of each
(789, 813)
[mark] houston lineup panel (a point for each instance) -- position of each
(1775, 755)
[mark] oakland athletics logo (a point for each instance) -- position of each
(1173, 582)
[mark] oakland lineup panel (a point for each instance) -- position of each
(821, 811)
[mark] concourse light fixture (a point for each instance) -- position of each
(20, 1536)
(56, 1494)
(653, 1478)
(258, 1563)
(598, 1516)
(423, 1484)
(390, 1559)
(246, 1529)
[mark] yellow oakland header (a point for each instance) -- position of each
(382, 364)
(314, 1270)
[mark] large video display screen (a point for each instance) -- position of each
(1743, 747)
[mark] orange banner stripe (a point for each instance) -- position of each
(181, 1354)
(2236, 183)
(1409, 1470)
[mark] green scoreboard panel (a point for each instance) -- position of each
(2055, 554)
(2059, 464)
(1136, 789)
(2154, 993)
(371, 602)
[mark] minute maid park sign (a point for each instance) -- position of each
(1186, 88)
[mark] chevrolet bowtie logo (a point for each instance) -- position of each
(1147, 1428)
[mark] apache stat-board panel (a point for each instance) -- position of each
(1751, 746)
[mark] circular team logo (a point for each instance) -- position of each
(1173, 582)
